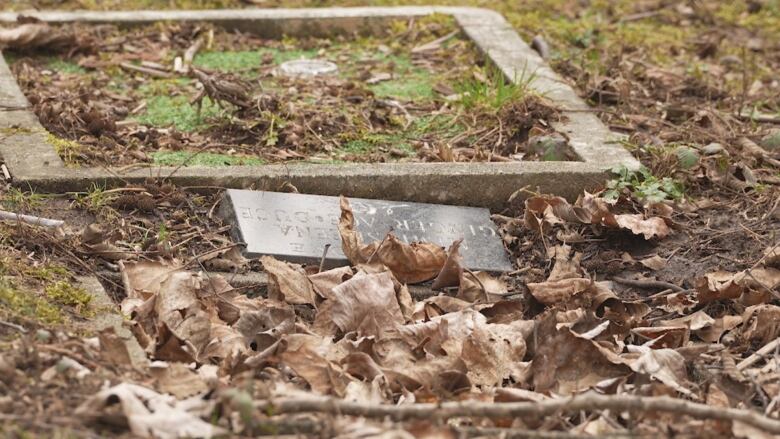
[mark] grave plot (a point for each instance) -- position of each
(419, 93)
(444, 105)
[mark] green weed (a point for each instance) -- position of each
(16, 199)
(495, 92)
(642, 185)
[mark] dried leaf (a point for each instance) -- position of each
(410, 263)
(451, 272)
(151, 414)
(288, 282)
(367, 304)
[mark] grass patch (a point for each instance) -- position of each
(178, 158)
(64, 66)
(15, 198)
(494, 92)
(439, 126)
(409, 84)
(176, 111)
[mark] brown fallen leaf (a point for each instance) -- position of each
(367, 304)
(761, 323)
(178, 380)
(288, 282)
(410, 263)
(452, 270)
(654, 262)
(325, 281)
(665, 365)
(566, 363)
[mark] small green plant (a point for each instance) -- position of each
(17, 199)
(642, 185)
(95, 199)
(494, 92)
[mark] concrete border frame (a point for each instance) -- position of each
(33, 162)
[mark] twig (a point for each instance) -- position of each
(324, 254)
(759, 354)
(584, 402)
(648, 283)
(19, 328)
(145, 70)
(435, 44)
(760, 118)
(189, 55)
(29, 219)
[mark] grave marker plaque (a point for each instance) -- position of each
(296, 227)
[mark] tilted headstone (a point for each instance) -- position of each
(296, 227)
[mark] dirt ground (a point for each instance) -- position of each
(689, 248)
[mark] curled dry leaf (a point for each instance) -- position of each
(751, 286)
(472, 286)
(544, 211)
(761, 323)
(410, 263)
(665, 365)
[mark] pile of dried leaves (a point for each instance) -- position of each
(334, 352)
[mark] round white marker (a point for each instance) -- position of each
(307, 67)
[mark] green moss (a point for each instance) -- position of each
(68, 150)
(63, 66)
(177, 158)
(439, 126)
(27, 304)
(165, 111)
(66, 294)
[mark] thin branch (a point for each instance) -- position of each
(30, 219)
(648, 283)
(759, 354)
(585, 402)
(145, 70)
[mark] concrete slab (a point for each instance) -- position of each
(34, 163)
(109, 316)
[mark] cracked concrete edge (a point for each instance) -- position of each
(476, 184)
(472, 184)
(109, 316)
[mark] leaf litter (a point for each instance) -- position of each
(587, 337)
